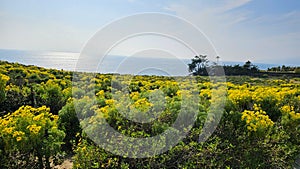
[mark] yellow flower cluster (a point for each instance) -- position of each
(142, 105)
(38, 117)
(134, 96)
(8, 130)
(241, 94)
(109, 102)
(55, 117)
(290, 110)
(205, 93)
(18, 135)
(262, 92)
(101, 93)
(104, 110)
(257, 119)
(34, 128)
(4, 78)
(26, 122)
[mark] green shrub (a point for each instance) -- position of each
(69, 123)
(29, 137)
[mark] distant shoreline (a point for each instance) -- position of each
(68, 60)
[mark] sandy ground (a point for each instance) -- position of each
(67, 164)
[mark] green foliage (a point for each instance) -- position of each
(246, 137)
(247, 69)
(16, 97)
(198, 65)
(284, 68)
(69, 123)
(3, 81)
(31, 85)
(236, 143)
(53, 96)
(30, 137)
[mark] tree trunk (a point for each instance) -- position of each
(47, 163)
(40, 160)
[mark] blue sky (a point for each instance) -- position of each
(266, 31)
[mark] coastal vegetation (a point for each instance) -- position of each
(201, 66)
(45, 114)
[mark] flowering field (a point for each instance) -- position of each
(45, 115)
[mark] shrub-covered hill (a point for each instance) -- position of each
(32, 85)
(44, 112)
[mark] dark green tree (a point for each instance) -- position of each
(198, 65)
(247, 65)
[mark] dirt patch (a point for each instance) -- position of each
(67, 164)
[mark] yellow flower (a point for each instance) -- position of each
(104, 110)
(142, 105)
(8, 130)
(256, 119)
(55, 117)
(134, 96)
(109, 102)
(18, 133)
(19, 138)
(100, 93)
(38, 117)
(34, 128)
(290, 111)
(178, 93)
(249, 128)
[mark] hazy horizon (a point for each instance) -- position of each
(124, 64)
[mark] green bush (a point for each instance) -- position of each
(69, 123)
(266, 138)
(29, 138)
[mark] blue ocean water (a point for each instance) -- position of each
(56, 60)
(110, 64)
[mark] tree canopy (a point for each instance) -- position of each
(198, 65)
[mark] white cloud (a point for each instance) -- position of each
(232, 4)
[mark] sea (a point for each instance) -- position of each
(109, 64)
